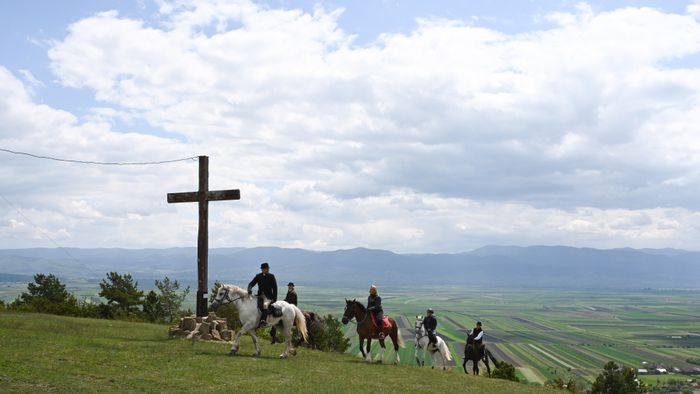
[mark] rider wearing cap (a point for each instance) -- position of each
(477, 335)
(374, 306)
(267, 286)
(291, 294)
(430, 324)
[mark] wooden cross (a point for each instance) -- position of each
(203, 196)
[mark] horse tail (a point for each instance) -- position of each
(446, 350)
(399, 340)
(493, 359)
(301, 322)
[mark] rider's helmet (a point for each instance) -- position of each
(430, 310)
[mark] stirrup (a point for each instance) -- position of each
(381, 335)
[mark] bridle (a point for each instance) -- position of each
(419, 333)
(227, 297)
(359, 323)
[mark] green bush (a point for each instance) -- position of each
(504, 371)
(122, 294)
(46, 295)
(329, 336)
(617, 379)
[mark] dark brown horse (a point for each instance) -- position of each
(471, 353)
(365, 329)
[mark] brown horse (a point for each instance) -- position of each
(472, 354)
(365, 329)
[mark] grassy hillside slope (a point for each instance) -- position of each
(42, 353)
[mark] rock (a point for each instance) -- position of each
(207, 337)
(212, 317)
(174, 331)
(188, 323)
(221, 324)
(199, 319)
(215, 334)
(204, 328)
(192, 334)
(226, 335)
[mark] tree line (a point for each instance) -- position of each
(124, 299)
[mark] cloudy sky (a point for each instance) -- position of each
(412, 126)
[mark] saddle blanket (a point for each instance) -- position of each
(385, 323)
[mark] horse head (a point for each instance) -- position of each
(222, 297)
(349, 312)
(419, 325)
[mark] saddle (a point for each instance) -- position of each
(275, 310)
(385, 323)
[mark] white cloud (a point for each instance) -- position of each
(445, 138)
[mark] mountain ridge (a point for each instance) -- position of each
(491, 265)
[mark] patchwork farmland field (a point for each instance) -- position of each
(545, 332)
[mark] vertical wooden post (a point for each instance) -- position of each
(202, 197)
(203, 237)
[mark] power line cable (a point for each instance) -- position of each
(103, 163)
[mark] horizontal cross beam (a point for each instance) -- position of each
(212, 195)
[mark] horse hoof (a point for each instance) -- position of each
(283, 356)
(432, 367)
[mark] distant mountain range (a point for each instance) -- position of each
(494, 266)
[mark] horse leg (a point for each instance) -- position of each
(256, 343)
(235, 342)
(381, 351)
(237, 338)
(416, 355)
(395, 341)
(369, 348)
(362, 347)
(476, 366)
(488, 368)
(466, 358)
(288, 340)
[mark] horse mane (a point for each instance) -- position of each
(239, 291)
(362, 307)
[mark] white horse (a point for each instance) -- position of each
(249, 315)
(440, 351)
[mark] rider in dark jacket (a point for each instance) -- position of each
(477, 335)
(267, 286)
(374, 306)
(430, 324)
(291, 294)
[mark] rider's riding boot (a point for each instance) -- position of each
(381, 332)
(263, 318)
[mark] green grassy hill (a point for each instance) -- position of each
(42, 353)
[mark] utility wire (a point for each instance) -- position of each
(102, 163)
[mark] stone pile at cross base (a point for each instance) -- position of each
(210, 328)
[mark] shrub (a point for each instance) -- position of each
(504, 371)
(46, 295)
(329, 336)
(616, 379)
(122, 295)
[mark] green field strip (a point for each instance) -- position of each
(532, 363)
(530, 360)
(619, 356)
(574, 357)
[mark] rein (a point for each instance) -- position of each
(230, 300)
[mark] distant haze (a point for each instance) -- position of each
(494, 266)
